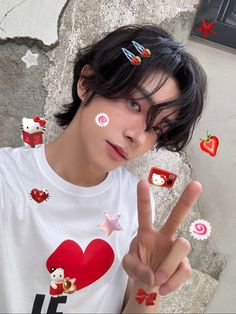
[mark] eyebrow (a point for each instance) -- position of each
(152, 103)
(146, 94)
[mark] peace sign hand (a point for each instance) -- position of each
(156, 257)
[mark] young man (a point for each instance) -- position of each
(73, 221)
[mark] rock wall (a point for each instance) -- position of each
(42, 89)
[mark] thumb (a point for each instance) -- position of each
(137, 270)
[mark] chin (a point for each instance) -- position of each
(108, 164)
(112, 165)
(104, 161)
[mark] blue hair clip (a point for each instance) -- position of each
(145, 53)
(134, 60)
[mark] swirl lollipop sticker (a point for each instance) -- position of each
(200, 229)
(102, 119)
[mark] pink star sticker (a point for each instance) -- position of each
(206, 28)
(110, 224)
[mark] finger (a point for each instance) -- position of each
(178, 252)
(181, 209)
(180, 276)
(137, 270)
(144, 205)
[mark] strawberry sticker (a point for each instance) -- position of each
(39, 195)
(209, 144)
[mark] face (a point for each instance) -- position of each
(124, 137)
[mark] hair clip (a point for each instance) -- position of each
(134, 60)
(145, 53)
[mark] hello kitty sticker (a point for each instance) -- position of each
(32, 131)
(102, 119)
(162, 178)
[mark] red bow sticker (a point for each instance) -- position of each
(42, 122)
(148, 297)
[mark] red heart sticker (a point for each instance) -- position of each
(87, 266)
(39, 195)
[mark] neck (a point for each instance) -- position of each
(66, 157)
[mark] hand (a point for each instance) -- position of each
(156, 257)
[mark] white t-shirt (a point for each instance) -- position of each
(52, 238)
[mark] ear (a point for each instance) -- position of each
(82, 89)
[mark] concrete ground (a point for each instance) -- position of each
(44, 88)
(217, 203)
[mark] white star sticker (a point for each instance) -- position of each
(110, 224)
(30, 59)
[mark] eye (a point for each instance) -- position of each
(134, 105)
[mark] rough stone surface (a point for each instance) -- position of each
(27, 18)
(22, 93)
(82, 22)
(192, 297)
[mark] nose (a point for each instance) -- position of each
(135, 132)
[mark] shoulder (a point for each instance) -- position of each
(14, 161)
(11, 153)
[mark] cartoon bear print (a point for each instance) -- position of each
(57, 279)
(159, 179)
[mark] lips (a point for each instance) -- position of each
(119, 149)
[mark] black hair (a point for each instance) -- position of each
(115, 77)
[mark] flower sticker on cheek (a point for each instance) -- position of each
(102, 119)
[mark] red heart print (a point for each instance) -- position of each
(39, 195)
(87, 266)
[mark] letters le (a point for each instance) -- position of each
(52, 308)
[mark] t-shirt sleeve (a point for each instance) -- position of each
(1, 204)
(1, 195)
